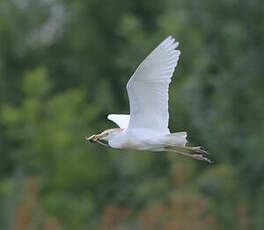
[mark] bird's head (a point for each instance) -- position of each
(106, 135)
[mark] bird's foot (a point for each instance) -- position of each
(199, 153)
(201, 157)
(197, 149)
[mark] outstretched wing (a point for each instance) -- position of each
(122, 120)
(149, 85)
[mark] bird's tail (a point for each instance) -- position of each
(176, 139)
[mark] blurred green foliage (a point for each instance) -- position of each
(64, 66)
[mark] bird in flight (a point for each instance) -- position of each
(146, 128)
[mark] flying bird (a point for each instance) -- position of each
(146, 128)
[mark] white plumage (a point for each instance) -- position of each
(148, 88)
(122, 120)
(146, 128)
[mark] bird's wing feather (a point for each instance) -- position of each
(148, 88)
(122, 120)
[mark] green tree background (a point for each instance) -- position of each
(64, 66)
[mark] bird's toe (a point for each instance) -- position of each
(202, 158)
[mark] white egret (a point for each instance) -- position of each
(146, 128)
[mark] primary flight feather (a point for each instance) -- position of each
(146, 128)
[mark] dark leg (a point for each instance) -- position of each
(194, 156)
(196, 149)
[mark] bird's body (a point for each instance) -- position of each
(146, 139)
(146, 128)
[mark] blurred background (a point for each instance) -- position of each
(64, 66)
